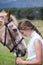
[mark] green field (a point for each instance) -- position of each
(7, 58)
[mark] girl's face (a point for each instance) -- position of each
(25, 32)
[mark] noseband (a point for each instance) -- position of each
(12, 38)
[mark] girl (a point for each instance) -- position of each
(34, 46)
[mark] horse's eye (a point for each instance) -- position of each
(15, 30)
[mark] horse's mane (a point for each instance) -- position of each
(4, 13)
(15, 20)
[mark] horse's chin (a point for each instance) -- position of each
(23, 53)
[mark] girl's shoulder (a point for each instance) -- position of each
(35, 35)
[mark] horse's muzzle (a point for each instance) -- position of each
(21, 52)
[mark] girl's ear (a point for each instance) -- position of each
(8, 15)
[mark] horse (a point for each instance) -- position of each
(10, 36)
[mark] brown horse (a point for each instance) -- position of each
(10, 35)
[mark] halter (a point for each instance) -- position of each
(12, 38)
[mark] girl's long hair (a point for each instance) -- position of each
(25, 24)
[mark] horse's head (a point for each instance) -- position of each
(10, 35)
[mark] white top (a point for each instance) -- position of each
(31, 54)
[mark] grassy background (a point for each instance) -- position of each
(7, 58)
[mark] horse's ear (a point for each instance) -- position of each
(3, 11)
(8, 14)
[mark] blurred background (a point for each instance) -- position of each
(31, 9)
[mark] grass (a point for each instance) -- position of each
(7, 58)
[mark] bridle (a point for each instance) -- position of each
(12, 38)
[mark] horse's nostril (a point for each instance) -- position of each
(15, 30)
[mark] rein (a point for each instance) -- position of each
(12, 38)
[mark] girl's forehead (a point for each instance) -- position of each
(23, 30)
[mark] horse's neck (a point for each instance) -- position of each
(2, 35)
(2, 31)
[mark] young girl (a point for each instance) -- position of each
(34, 46)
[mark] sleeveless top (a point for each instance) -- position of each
(31, 54)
